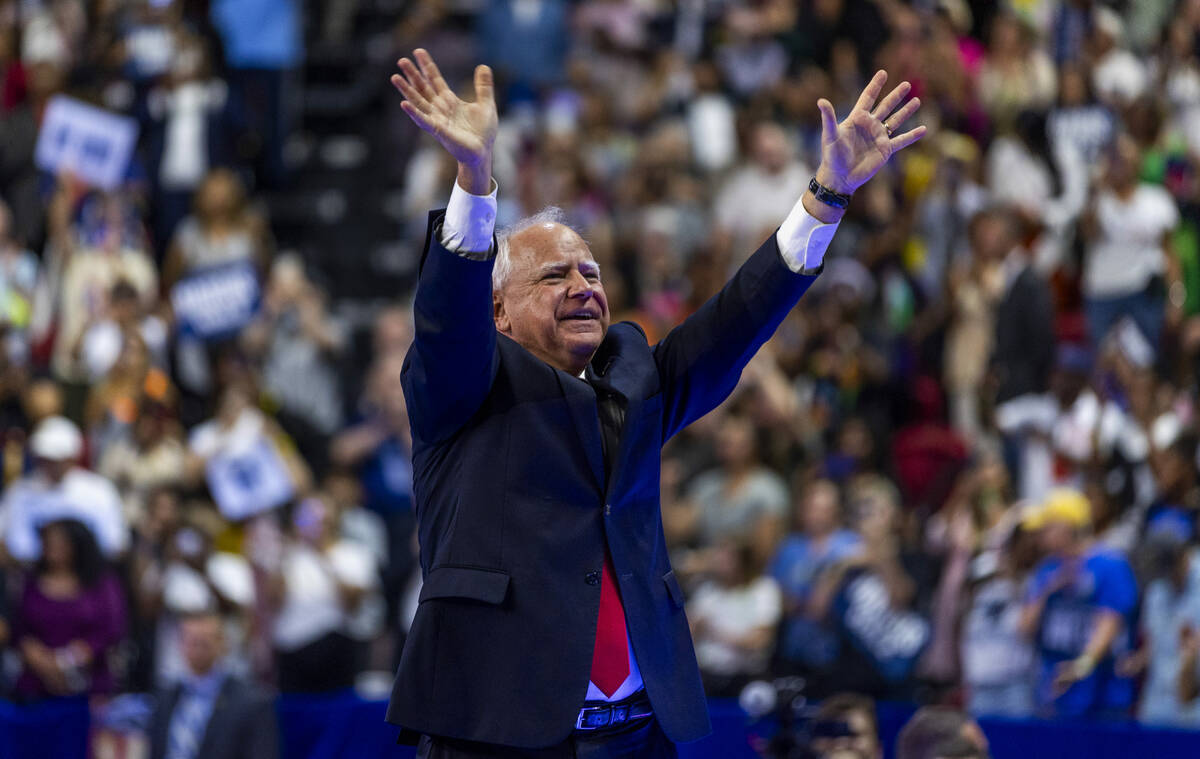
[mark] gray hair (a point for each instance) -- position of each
(502, 268)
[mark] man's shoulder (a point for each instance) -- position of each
(627, 329)
(246, 694)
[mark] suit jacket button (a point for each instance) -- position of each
(592, 578)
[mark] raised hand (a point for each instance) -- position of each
(465, 130)
(854, 150)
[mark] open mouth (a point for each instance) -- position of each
(581, 316)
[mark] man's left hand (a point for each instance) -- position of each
(854, 150)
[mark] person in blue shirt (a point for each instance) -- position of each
(799, 560)
(1079, 613)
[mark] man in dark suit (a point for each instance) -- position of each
(550, 622)
(211, 714)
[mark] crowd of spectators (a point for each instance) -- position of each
(963, 471)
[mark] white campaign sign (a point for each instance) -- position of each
(92, 143)
(249, 481)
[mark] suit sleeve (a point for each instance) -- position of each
(700, 361)
(453, 359)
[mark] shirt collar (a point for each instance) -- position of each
(205, 685)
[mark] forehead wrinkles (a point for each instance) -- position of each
(547, 246)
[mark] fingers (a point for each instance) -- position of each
(899, 117)
(871, 92)
(419, 118)
(828, 120)
(901, 141)
(416, 79)
(430, 70)
(410, 93)
(485, 88)
(891, 100)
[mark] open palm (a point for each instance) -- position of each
(465, 130)
(854, 150)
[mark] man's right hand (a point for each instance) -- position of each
(465, 130)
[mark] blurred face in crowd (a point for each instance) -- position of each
(219, 195)
(54, 470)
(1123, 163)
(162, 514)
(1058, 538)
(875, 516)
(56, 547)
(552, 302)
(735, 442)
(313, 520)
(819, 513)
(726, 564)
(1174, 471)
(769, 146)
(202, 640)
(393, 331)
(992, 236)
(43, 399)
(854, 738)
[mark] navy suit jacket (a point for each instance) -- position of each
(514, 510)
(242, 724)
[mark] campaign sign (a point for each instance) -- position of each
(92, 143)
(248, 482)
(216, 302)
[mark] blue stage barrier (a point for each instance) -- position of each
(57, 728)
(343, 726)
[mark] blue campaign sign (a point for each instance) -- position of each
(216, 302)
(94, 144)
(250, 481)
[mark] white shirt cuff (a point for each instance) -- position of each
(470, 221)
(803, 239)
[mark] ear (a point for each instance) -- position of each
(503, 323)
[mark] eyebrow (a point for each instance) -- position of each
(562, 266)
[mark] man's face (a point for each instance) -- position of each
(203, 643)
(552, 302)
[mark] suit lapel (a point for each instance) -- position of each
(581, 401)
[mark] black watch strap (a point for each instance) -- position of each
(826, 195)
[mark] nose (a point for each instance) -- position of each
(578, 286)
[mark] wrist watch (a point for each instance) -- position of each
(827, 196)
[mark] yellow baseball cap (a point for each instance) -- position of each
(1061, 505)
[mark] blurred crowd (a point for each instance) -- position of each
(963, 471)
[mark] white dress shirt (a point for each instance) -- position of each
(469, 226)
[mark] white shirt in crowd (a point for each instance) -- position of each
(86, 496)
(733, 613)
(469, 226)
(994, 651)
(1128, 251)
(312, 605)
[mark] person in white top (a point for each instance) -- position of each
(733, 618)
(1129, 268)
(58, 488)
(324, 586)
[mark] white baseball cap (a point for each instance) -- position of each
(57, 439)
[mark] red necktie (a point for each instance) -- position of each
(610, 659)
